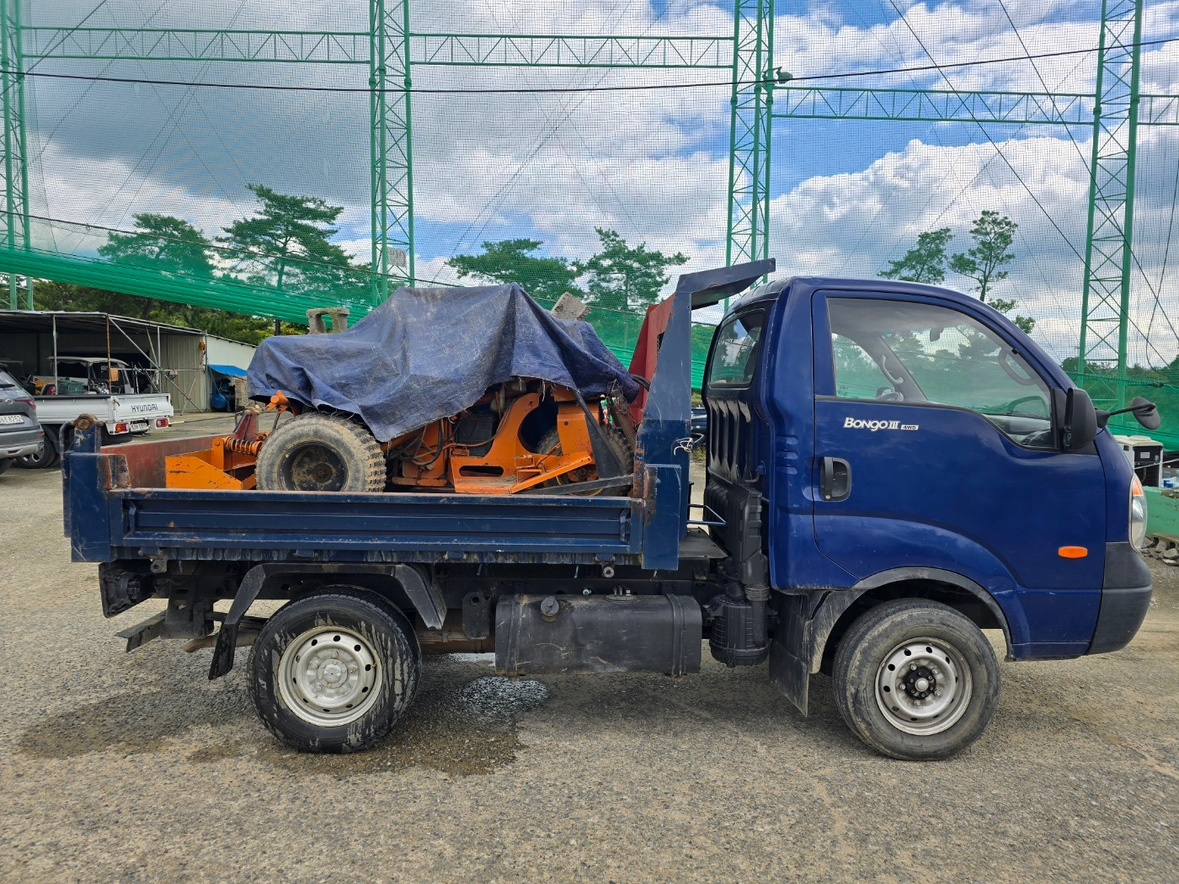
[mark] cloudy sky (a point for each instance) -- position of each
(847, 197)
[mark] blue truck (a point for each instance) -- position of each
(891, 469)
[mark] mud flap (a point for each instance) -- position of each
(804, 624)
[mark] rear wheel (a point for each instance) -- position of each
(916, 680)
(45, 457)
(334, 671)
(321, 452)
(6, 464)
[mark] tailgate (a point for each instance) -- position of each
(142, 407)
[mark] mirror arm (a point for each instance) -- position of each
(1143, 408)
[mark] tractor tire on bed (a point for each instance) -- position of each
(321, 452)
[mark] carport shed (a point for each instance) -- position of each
(177, 357)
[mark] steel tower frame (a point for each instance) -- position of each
(14, 223)
(750, 131)
(390, 50)
(1105, 300)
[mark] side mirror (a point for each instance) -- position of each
(1079, 425)
(1146, 412)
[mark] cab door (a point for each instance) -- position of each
(935, 449)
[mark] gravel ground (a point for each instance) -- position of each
(132, 767)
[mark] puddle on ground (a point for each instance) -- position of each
(134, 723)
(458, 724)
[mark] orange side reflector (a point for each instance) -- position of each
(1073, 552)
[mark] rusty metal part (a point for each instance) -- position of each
(451, 639)
(620, 414)
(420, 459)
(245, 446)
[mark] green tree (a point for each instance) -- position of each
(925, 262)
(983, 262)
(162, 244)
(287, 243)
(511, 260)
(624, 277)
(1025, 323)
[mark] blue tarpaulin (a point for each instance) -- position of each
(230, 371)
(428, 353)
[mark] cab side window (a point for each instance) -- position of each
(913, 353)
(735, 351)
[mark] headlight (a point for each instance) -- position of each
(1137, 514)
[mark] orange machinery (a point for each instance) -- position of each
(228, 465)
(440, 456)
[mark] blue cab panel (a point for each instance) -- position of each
(900, 428)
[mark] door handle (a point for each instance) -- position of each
(836, 482)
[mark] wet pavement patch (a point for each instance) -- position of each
(132, 722)
(461, 722)
(457, 725)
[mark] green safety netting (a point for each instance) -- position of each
(123, 117)
(245, 283)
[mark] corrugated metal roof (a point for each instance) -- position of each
(68, 321)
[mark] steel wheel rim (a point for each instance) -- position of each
(329, 676)
(923, 686)
(315, 467)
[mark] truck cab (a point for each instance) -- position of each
(891, 452)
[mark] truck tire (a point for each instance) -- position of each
(321, 452)
(6, 464)
(334, 671)
(916, 680)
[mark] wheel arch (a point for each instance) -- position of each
(406, 587)
(933, 584)
(811, 625)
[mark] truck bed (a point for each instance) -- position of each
(116, 507)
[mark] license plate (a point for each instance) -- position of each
(11, 419)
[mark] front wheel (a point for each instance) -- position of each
(916, 680)
(334, 671)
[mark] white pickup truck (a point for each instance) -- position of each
(120, 415)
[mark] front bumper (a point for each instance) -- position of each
(1125, 598)
(20, 443)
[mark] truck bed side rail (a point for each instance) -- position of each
(115, 510)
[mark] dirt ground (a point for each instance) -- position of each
(133, 767)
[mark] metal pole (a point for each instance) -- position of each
(378, 205)
(1086, 289)
(7, 85)
(411, 246)
(1128, 228)
(22, 137)
(56, 379)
